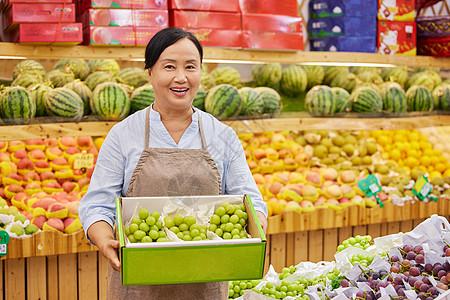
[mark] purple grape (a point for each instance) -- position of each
(412, 280)
(345, 283)
(375, 275)
(414, 271)
(401, 291)
(395, 269)
(408, 248)
(433, 291)
(394, 258)
(428, 268)
(446, 266)
(406, 263)
(441, 273)
(398, 280)
(383, 273)
(422, 252)
(360, 294)
(411, 255)
(420, 259)
(436, 270)
(406, 274)
(424, 287)
(417, 249)
(422, 295)
(417, 284)
(444, 279)
(437, 265)
(429, 298)
(426, 280)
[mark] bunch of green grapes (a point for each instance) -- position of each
(146, 228)
(287, 271)
(229, 221)
(237, 288)
(186, 228)
(361, 259)
(283, 290)
(335, 278)
(362, 242)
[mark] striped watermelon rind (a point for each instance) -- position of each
(394, 98)
(366, 100)
(293, 80)
(38, 92)
(441, 96)
(271, 99)
(26, 80)
(135, 77)
(110, 101)
(104, 65)
(29, 67)
(64, 102)
(78, 66)
(98, 78)
(226, 75)
(223, 101)
(199, 99)
(398, 74)
(419, 98)
(267, 75)
(17, 106)
(83, 91)
(253, 104)
(315, 75)
(141, 98)
(319, 101)
(60, 78)
(342, 99)
(332, 72)
(344, 80)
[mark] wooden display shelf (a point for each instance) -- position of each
(12, 50)
(284, 122)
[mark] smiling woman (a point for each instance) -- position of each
(167, 149)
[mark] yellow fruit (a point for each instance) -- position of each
(434, 160)
(395, 154)
(411, 162)
(384, 140)
(440, 167)
(425, 160)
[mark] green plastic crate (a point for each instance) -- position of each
(169, 264)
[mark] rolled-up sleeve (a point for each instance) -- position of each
(98, 204)
(237, 174)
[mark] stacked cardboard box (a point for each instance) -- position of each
(397, 27)
(214, 22)
(343, 25)
(40, 22)
(122, 22)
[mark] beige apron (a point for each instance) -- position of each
(171, 172)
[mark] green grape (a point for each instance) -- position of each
(227, 236)
(190, 220)
(159, 224)
(153, 234)
(183, 227)
(144, 227)
(195, 233)
(243, 234)
(238, 226)
(228, 227)
(236, 237)
(187, 237)
(146, 239)
(212, 227)
(143, 213)
(234, 219)
(136, 220)
(139, 234)
(180, 235)
(178, 219)
(162, 234)
(174, 229)
(203, 236)
(127, 230)
(131, 238)
(195, 226)
(235, 232)
(156, 215)
(230, 209)
(224, 219)
(219, 232)
(133, 227)
(239, 213)
(161, 239)
(215, 219)
(168, 222)
(197, 238)
(220, 211)
(154, 227)
(150, 220)
(242, 222)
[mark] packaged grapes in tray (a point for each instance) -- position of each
(171, 240)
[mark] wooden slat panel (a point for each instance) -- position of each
(301, 246)
(315, 245)
(330, 243)
(290, 249)
(37, 278)
(52, 278)
(278, 251)
(406, 226)
(67, 273)
(417, 222)
(15, 287)
(344, 233)
(87, 276)
(374, 230)
(360, 230)
(393, 227)
(2, 285)
(384, 229)
(103, 271)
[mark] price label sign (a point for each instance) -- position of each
(83, 161)
(422, 188)
(370, 186)
(4, 240)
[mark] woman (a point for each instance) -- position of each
(167, 149)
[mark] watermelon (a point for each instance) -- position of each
(110, 101)
(199, 100)
(371, 77)
(441, 96)
(271, 99)
(267, 75)
(17, 106)
(319, 101)
(134, 77)
(398, 74)
(26, 80)
(419, 98)
(344, 80)
(206, 81)
(104, 65)
(97, 78)
(332, 72)
(253, 104)
(78, 66)
(60, 78)
(359, 70)
(38, 93)
(142, 97)
(394, 98)
(366, 100)
(83, 91)
(342, 99)
(293, 80)
(64, 102)
(226, 75)
(422, 78)
(31, 67)
(315, 75)
(223, 101)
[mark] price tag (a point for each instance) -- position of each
(4, 240)
(371, 187)
(83, 161)
(422, 188)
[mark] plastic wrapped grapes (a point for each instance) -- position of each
(229, 221)
(186, 228)
(145, 227)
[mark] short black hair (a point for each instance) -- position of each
(164, 39)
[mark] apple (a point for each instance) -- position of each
(47, 176)
(39, 221)
(85, 142)
(13, 146)
(37, 154)
(4, 157)
(67, 141)
(53, 153)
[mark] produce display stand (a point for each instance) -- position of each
(50, 265)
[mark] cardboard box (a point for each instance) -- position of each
(202, 19)
(271, 23)
(39, 13)
(273, 40)
(189, 262)
(341, 8)
(119, 36)
(83, 5)
(272, 7)
(4, 3)
(125, 17)
(346, 44)
(47, 34)
(206, 5)
(342, 26)
(218, 37)
(397, 10)
(397, 38)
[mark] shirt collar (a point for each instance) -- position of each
(155, 116)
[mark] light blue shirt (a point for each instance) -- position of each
(124, 144)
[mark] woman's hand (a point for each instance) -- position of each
(262, 220)
(101, 235)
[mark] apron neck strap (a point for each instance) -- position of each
(147, 130)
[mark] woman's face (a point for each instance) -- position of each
(176, 75)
